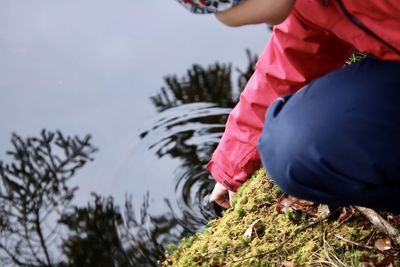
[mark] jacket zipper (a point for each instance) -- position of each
(360, 25)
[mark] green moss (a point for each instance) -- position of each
(187, 242)
(240, 212)
(277, 191)
(276, 238)
(245, 241)
(172, 246)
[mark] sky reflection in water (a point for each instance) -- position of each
(38, 214)
(95, 74)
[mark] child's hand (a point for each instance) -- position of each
(218, 196)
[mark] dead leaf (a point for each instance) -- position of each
(288, 264)
(383, 244)
(286, 201)
(366, 264)
(324, 210)
(250, 230)
(347, 213)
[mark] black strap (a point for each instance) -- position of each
(360, 25)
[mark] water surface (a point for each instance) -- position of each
(98, 68)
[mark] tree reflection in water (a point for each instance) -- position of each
(193, 111)
(34, 192)
(36, 213)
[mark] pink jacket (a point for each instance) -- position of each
(315, 39)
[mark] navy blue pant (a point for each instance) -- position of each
(337, 140)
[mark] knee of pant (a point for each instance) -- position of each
(277, 151)
(287, 149)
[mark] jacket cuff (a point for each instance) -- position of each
(221, 177)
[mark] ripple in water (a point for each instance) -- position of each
(188, 132)
(191, 120)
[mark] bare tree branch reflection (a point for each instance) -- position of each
(34, 191)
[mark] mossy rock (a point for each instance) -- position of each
(278, 240)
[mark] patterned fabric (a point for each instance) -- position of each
(207, 6)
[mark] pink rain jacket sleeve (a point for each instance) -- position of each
(296, 53)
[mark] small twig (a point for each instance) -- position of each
(362, 245)
(381, 223)
(331, 257)
(372, 236)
